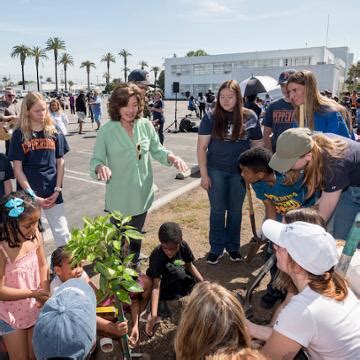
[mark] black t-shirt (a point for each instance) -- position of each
(157, 115)
(342, 173)
(254, 107)
(38, 156)
(160, 264)
(6, 172)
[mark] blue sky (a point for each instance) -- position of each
(154, 30)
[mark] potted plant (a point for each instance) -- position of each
(102, 242)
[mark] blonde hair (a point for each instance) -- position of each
(324, 149)
(314, 101)
(243, 354)
(55, 101)
(213, 320)
(24, 123)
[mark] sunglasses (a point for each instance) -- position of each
(138, 150)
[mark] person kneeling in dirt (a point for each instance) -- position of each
(277, 197)
(64, 270)
(322, 318)
(172, 271)
(213, 321)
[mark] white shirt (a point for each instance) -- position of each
(61, 120)
(327, 328)
(56, 282)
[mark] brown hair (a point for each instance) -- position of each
(120, 98)
(239, 113)
(25, 122)
(314, 101)
(283, 281)
(324, 149)
(213, 320)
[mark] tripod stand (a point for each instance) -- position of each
(175, 119)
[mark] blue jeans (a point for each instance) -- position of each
(226, 196)
(345, 212)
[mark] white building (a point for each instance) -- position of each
(199, 74)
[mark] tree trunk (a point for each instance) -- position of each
(125, 68)
(23, 76)
(65, 77)
(37, 75)
(56, 75)
(88, 80)
(108, 73)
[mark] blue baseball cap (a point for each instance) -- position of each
(284, 76)
(140, 76)
(66, 326)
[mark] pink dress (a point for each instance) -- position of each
(21, 274)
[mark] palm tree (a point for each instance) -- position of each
(71, 84)
(37, 53)
(143, 64)
(65, 60)
(21, 51)
(156, 70)
(124, 54)
(88, 65)
(108, 58)
(55, 44)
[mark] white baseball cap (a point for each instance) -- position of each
(309, 245)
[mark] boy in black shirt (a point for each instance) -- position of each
(171, 269)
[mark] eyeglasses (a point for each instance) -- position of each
(138, 150)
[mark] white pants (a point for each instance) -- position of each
(58, 224)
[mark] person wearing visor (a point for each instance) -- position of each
(329, 163)
(322, 319)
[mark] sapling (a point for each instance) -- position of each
(102, 242)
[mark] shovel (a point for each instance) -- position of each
(255, 241)
(352, 241)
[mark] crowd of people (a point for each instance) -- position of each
(308, 179)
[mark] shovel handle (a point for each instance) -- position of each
(251, 210)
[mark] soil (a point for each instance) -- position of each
(191, 211)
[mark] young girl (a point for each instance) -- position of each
(321, 113)
(59, 116)
(158, 114)
(24, 281)
(223, 135)
(213, 320)
(329, 163)
(37, 149)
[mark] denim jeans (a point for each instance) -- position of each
(345, 212)
(226, 196)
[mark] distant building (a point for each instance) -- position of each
(199, 74)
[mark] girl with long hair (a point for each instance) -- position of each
(58, 115)
(37, 150)
(323, 317)
(212, 321)
(321, 113)
(329, 163)
(224, 134)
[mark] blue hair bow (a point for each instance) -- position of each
(15, 206)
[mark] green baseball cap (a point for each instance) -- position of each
(291, 145)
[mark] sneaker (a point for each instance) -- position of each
(267, 301)
(234, 256)
(213, 258)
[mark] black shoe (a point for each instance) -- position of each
(267, 301)
(213, 258)
(234, 256)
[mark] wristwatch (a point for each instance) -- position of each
(58, 189)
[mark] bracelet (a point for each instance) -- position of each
(31, 193)
(58, 189)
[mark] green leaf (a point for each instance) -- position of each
(103, 284)
(123, 296)
(128, 259)
(116, 245)
(134, 234)
(131, 272)
(132, 286)
(179, 262)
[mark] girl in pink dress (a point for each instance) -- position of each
(24, 284)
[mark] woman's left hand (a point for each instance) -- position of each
(50, 201)
(178, 162)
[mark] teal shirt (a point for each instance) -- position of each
(130, 189)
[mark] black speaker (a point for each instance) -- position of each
(176, 87)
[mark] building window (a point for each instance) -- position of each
(202, 69)
(222, 68)
(244, 63)
(268, 62)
